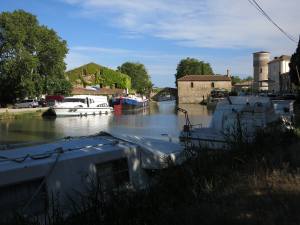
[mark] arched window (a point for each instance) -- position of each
(192, 84)
(212, 84)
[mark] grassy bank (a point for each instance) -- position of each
(22, 114)
(255, 183)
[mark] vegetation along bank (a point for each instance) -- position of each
(256, 183)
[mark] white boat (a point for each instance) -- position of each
(30, 177)
(235, 115)
(82, 105)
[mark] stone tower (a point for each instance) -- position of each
(261, 70)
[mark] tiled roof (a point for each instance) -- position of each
(204, 78)
(262, 52)
(281, 58)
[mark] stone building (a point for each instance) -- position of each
(286, 85)
(244, 86)
(260, 70)
(196, 88)
(277, 68)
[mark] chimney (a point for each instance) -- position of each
(228, 73)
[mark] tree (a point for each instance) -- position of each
(31, 58)
(140, 80)
(191, 66)
(235, 79)
(249, 78)
(295, 67)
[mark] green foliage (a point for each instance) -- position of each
(191, 66)
(295, 66)
(249, 78)
(237, 79)
(139, 76)
(92, 74)
(250, 184)
(30, 55)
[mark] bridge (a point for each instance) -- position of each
(165, 94)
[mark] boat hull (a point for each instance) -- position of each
(130, 105)
(81, 111)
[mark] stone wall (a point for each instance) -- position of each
(197, 91)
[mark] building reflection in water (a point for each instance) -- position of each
(160, 118)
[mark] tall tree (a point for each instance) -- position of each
(31, 58)
(295, 66)
(235, 79)
(191, 66)
(140, 79)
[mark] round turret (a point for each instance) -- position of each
(260, 69)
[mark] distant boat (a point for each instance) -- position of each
(235, 114)
(130, 102)
(82, 105)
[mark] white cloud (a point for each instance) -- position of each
(203, 23)
(226, 24)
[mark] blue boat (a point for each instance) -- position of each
(130, 102)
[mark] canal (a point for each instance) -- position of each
(159, 120)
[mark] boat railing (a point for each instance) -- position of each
(188, 124)
(200, 125)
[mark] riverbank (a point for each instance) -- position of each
(251, 184)
(8, 113)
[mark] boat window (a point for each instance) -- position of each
(15, 197)
(113, 174)
(25, 101)
(102, 105)
(74, 100)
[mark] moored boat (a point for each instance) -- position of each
(130, 102)
(235, 116)
(82, 105)
(30, 177)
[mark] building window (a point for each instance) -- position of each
(192, 84)
(212, 84)
(260, 70)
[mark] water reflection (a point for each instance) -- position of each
(198, 114)
(160, 118)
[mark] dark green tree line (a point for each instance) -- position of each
(140, 79)
(191, 66)
(295, 66)
(31, 58)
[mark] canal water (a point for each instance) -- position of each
(160, 120)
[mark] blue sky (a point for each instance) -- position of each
(158, 33)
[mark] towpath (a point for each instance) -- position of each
(22, 110)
